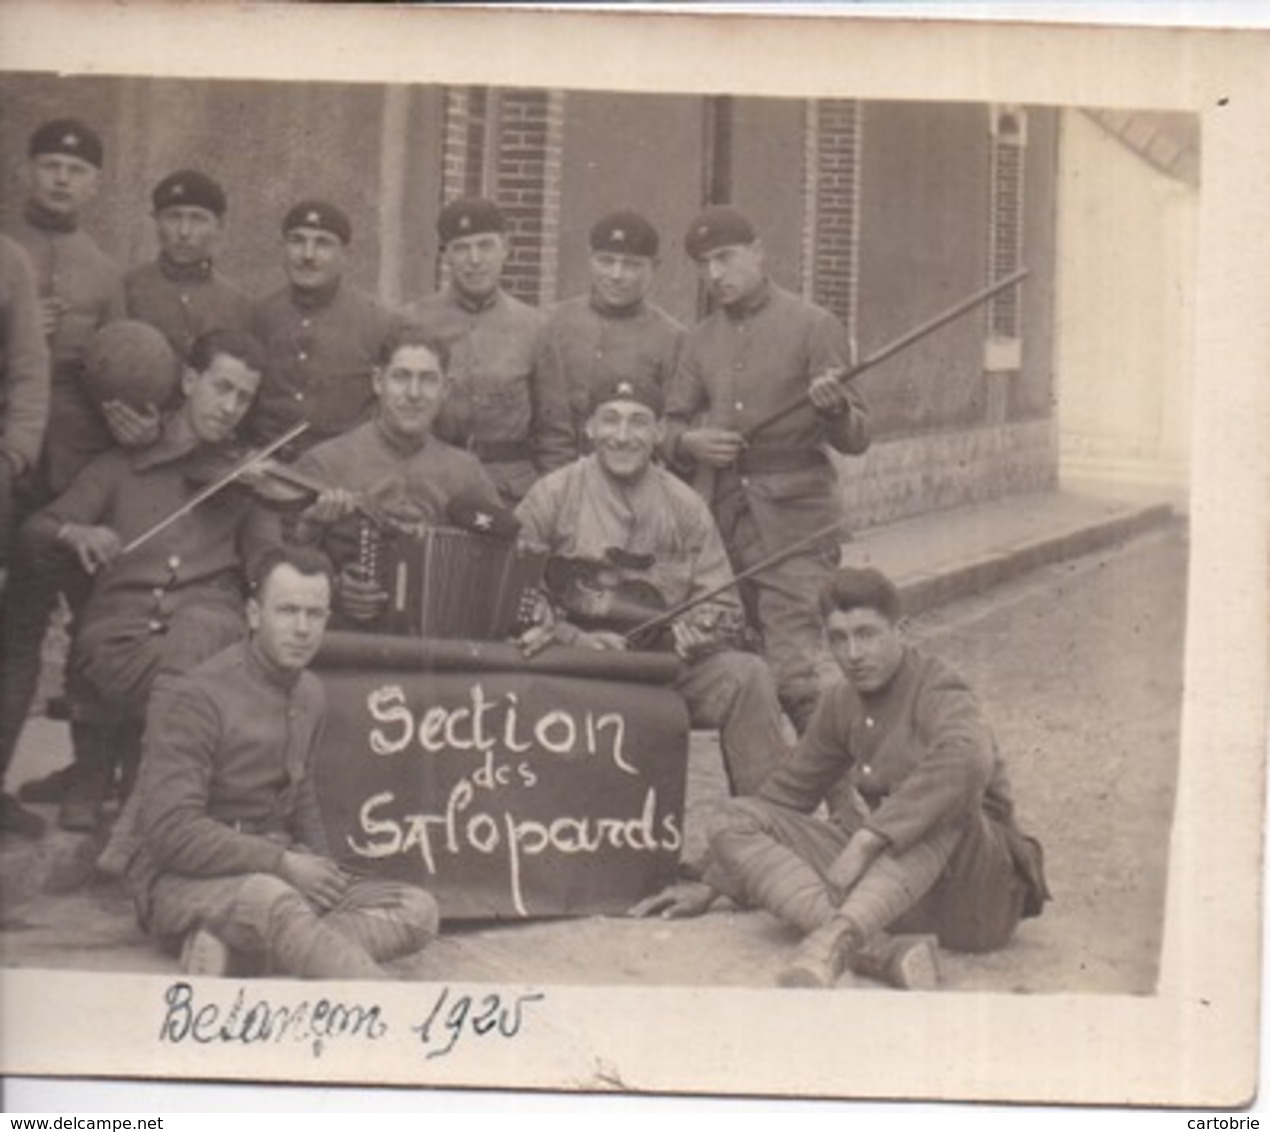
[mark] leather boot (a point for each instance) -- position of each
(91, 779)
(905, 962)
(823, 956)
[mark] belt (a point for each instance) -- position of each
(754, 463)
(502, 451)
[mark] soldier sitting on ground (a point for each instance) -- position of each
(233, 865)
(920, 836)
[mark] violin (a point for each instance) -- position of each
(599, 595)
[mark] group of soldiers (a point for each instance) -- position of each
(600, 431)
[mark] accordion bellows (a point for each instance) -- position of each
(452, 584)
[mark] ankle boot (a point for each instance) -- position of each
(905, 962)
(91, 776)
(822, 957)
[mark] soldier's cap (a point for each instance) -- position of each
(69, 137)
(720, 226)
(191, 189)
(640, 390)
(319, 214)
(469, 216)
(625, 232)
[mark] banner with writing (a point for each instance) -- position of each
(505, 794)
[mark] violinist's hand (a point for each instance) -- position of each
(828, 393)
(331, 506)
(95, 547)
(51, 309)
(717, 447)
(360, 596)
(691, 641)
(133, 428)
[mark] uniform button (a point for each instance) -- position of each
(303, 356)
(299, 396)
(738, 365)
(185, 300)
(866, 769)
(740, 405)
(174, 562)
(305, 322)
(745, 481)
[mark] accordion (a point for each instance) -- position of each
(451, 584)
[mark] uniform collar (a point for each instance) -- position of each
(475, 306)
(198, 272)
(39, 217)
(260, 665)
(752, 304)
(605, 311)
(314, 298)
(176, 441)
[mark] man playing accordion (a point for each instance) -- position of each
(635, 539)
(397, 478)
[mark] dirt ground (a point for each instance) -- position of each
(1080, 665)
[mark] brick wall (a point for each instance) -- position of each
(527, 187)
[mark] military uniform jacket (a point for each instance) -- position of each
(581, 512)
(587, 345)
(184, 301)
(226, 778)
(201, 556)
(501, 403)
(70, 266)
(24, 358)
(740, 365)
(416, 483)
(321, 351)
(918, 752)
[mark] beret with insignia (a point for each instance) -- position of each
(637, 389)
(625, 232)
(321, 215)
(68, 137)
(469, 216)
(191, 189)
(720, 226)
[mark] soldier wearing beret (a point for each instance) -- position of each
(323, 336)
(80, 289)
(180, 292)
(503, 405)
(761, 350)
(617, 508)
(614, 330)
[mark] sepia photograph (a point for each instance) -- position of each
(632, 552)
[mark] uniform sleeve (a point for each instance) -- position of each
(536, 514)
(87, 500)
(832, 350)
(819, 759)
(180, 745)
(949, 781)
(25, 371)
(551, 426)
(685, 399)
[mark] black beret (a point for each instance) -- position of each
(68, 136)
(321, 215)
(624, 232)
(469, 216)
(638, 389)
(720, 226)
(190, 188)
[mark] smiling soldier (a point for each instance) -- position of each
(618, 508)
(503, 405)
(615, 329)
(392, 462)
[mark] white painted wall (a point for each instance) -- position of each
(1124, 314)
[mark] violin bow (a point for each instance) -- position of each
(216, 485)
(675, 612)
